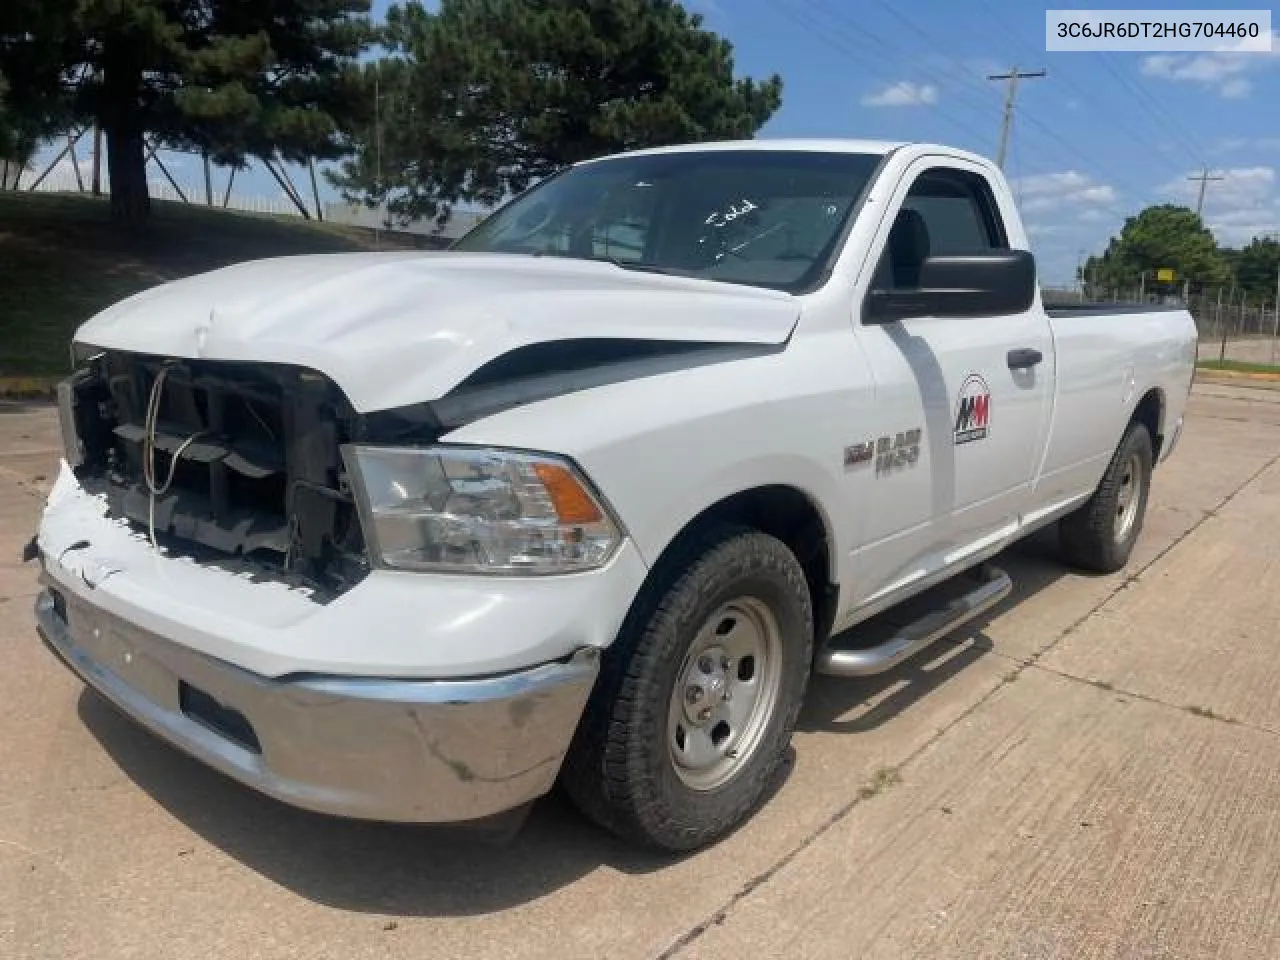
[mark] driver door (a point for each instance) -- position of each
(982, 421)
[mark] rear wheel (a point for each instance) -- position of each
(696, 702)
(1100, 535)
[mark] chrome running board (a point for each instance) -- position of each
(839, 662)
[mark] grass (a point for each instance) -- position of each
(1238, 366)
(882, 780)
(1209, 714)
(62, 260)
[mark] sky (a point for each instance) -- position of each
(1099, 138)
(1103, 135)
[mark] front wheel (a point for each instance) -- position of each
(1100, 535)
(695, 705)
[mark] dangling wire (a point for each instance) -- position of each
(149, 452)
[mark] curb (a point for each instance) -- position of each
(28, 388)
(1240, 382)
(1203, 373)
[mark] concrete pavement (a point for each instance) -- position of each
(1090, 771)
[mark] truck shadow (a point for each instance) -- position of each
(855, 705)
(435, 871)
(396, 869)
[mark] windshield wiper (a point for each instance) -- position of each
(637, 266)
(648, 267)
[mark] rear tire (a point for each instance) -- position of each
(663, 757)
(1100, 535)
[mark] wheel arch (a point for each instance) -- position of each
(782, 510)
(1150, 412)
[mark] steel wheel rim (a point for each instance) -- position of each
(1128, 498)
(725, 694)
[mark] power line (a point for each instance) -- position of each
(982, 107)
(1139, 90)
(1011, 93)
(840, 40)
(876, 48)
(979, 103)
(1153, 115)
(962, 72)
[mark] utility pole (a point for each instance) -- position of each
(1204, 178)
(1275, 328)
(97, 160)
(1010, 93)
(377, 141)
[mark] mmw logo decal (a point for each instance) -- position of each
(973, 410)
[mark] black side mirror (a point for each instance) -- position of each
(989, 284)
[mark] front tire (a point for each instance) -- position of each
(696, 702)
(1100, 535)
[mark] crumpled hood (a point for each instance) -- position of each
(392, 329)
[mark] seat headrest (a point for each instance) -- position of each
(908, 247)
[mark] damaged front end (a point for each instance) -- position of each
(244, 460)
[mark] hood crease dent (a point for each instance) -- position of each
(394, 329)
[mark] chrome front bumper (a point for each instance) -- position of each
(427, 751)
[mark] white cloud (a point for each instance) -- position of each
(1239, 186)
(1045, 192)
(1236, 89)
(1236, 144)
(1240, 206)
(1066, 212)
(904, 93)
(1222, 70)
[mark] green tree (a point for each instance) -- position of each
(484, 97)
(33, 104)
(10, 153)
(1256, 267)
(238, 78)
(1159, 236)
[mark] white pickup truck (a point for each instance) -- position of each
(411, 536)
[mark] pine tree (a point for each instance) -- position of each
(236, 78)
(483, 97)
(33, 104)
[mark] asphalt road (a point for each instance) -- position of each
(1091, 771)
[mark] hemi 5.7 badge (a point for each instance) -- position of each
(973, 410)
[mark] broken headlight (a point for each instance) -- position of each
(478, 510)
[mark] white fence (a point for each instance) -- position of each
(63, 180)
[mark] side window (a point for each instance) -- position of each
(947, 211)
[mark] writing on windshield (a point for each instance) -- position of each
(758, 216)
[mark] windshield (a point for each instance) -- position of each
(769, 218)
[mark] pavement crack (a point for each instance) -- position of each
(1134, 576)
(883, 778)
(869, 790)
(1205, 713)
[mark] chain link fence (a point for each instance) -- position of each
(1232, 329)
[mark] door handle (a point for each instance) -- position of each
(1023, 358)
